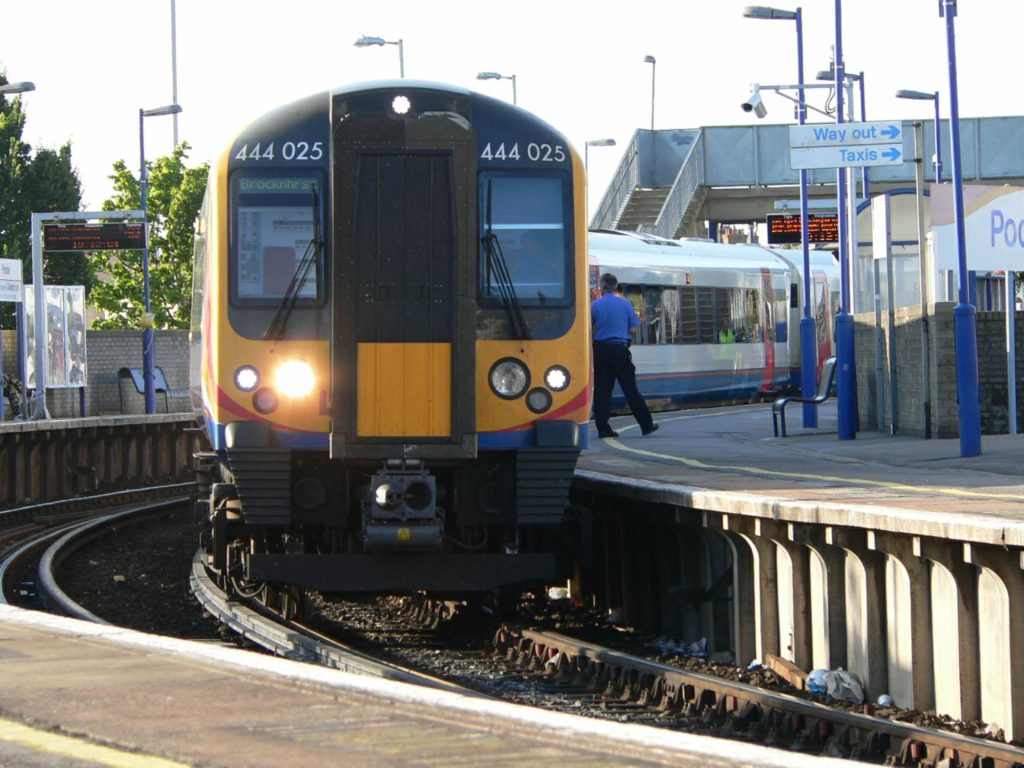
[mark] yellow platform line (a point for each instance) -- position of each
(762, 472)
(79, 749)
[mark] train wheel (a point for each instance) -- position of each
(293, 602)
(288, 601)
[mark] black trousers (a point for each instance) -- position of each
(613, 362)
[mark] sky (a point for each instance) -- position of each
(579, 66)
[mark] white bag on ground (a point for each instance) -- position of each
(844, 686)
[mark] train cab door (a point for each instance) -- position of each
(823, 318)
(767, 311)
(403, 337)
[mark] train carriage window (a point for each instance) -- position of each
(670, 327)
(634, 295)
(523, 218)
(278, 219)
(652, 320)
(752, 316)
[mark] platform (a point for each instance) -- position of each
(728, 460)
(160, 702)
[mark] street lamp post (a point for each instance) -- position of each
(924, 96)
(147, 317)
(654, 144)
(964, 314)
(654, 63)
(9, 89)
(808, 338)
(365, 41)
(586, 162)
(499, 76)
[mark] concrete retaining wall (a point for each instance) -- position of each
(872, 342)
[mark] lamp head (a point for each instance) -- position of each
(648, 59)
(170, 109)
(764, 12)
(916, 95)
(488, 76)
(22, 87)
(366, 40)
(601, 143)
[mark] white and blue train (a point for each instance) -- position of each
(718, 323)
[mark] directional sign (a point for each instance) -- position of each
(856, 156)
(845, 134)
(845, 145)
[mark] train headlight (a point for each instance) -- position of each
(509, 378)
(539, 400)
(247, 378)
(401, 105)
(557, 378)
(294, 378)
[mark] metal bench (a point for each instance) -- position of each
(159, 385)
(828, 375)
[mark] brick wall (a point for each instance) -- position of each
(108, 352)
(910, 377)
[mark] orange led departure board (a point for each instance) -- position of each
(93, 237)
(784, 228)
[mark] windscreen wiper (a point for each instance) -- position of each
(497, 268)
(276, 328)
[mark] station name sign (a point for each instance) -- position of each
(784, 228)
(93, 237)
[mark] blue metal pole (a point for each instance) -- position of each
(964, 315)
(147, 320)
(808, 337)
(847, 373)
(865, 181)
(938, 143)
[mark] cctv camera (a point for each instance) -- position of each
(754, 104)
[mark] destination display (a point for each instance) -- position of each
(93, 237)
(784, 228)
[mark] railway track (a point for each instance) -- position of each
(35, 538)
(564, 673)
(297, 641)
(740, 711)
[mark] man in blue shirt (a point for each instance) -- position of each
(613, 317)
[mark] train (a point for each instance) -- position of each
(719, 323)
(389, 346)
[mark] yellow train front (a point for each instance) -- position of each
(390, 341)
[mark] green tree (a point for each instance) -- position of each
(174, 194)
(40, 183)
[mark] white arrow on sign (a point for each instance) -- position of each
(845, 157)
(845, 134)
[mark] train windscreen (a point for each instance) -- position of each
(525, 221)
(274, 238)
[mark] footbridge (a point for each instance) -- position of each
(679, 182)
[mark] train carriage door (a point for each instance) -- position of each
(402, 347)
(822, 318)
(768, 330)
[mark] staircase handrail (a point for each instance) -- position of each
(626, 178)
(684, 188)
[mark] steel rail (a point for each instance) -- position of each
(295, 641)
(677, 689)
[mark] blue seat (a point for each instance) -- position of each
(828, 375)
(159, 385)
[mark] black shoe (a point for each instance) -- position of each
(654, 428)
(609, 433)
